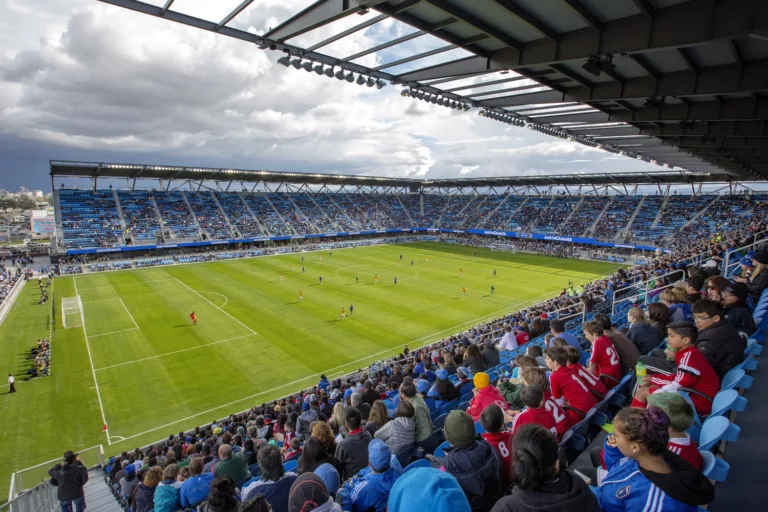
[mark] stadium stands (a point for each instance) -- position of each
(209, 216)
(91, 220)
(140, 215)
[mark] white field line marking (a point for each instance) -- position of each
(100, 300)
(114, 332)
(127, 284)
(220, 295)
(214, 305)
(303, 379)
(129, 313)
(173, 352)
(90, 359)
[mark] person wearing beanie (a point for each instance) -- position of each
(737, 312)
(330, 476)
(427, 489)
(540, 483)
(369, 490)
(485, 394)
(443, 391)
(471, 460)
(680, 413)
(130, 481)
(309, 493)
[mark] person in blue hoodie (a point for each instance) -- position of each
(195, 489)
(427, 489)
(643, 475)
(167, 492)
(369, 490)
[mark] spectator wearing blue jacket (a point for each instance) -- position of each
(643, 475)
(557, 327)
(195, 489)
(369, 490)
(167, 492)
(427, 489)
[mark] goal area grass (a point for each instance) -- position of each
(132, 357)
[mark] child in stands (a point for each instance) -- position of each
(693, 370)
(492, 420)
(595, 385)
(538, 377)
(680, 413)
(643, 474)
(605, 359)
(568, 388)
(537, 411)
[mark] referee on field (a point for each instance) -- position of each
(11, 383)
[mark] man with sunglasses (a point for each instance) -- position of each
(719, 341)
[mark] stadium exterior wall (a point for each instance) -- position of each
(482, 232)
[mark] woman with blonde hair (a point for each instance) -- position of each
(758, 281)
(337, 418)
(144, 497)
(678, 309)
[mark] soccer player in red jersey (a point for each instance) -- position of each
(567, 387)
(605, 359)
(194, 319)
(693, 370)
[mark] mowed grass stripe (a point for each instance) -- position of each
(177, 370)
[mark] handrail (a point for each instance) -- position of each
(17, 481)
(728, 254)
(645, 292)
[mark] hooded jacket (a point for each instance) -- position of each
(723, 346)
(195, 489)
(681, 313)
(145, 498)
(486, 396)
(739, 316)
(629, 488)
(368, 492)
(70, 478)
(127, 485)
(399, 434)
(566, 492)
(167, 496)
(477, 469)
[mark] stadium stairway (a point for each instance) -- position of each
(97, 493)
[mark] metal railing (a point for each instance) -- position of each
(646, 289)
(33, 476)
(726, 265)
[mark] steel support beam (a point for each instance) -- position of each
(529, 18)
(476, 22)
(349, 31)
(382, 46)
(316, 15)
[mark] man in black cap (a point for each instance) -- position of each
(737, 313)
(70, 478)
(758, 281)
(308, 493)
(718, 341)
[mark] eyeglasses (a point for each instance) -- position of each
(699, 319)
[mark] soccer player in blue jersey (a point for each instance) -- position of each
(351, 309)
(395, 280)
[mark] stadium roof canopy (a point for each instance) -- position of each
(301, 180)
(674, 82)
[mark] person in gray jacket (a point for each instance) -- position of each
(400, 433)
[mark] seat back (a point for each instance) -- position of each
(420, 463)
(737, 378)
(715, 430)
(440, 451)
(714, 468)
(726, 401)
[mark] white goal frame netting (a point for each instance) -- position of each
(71, 312)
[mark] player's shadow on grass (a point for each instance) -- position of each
(294, 302)
(183, 325)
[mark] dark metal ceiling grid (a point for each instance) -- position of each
(671, 72)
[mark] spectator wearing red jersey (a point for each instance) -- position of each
(536, 411)
(485, 395)
(492, 420)
(605, 361)
(567, 388)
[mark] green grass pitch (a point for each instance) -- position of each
(141, 362)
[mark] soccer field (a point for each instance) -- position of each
(132, 358)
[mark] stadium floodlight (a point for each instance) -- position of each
(307, 65)
(328, 72)
(371, 82)
(467, 106)
(405, 93)
(433, 99)
(318, 69)
(441, 101)
(296, 63)
(340, 74)
(592, 66)
(360, 80)
(380, 83)
(284, 60)
(350, 77)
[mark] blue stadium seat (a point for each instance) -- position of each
(726, 401)
(420, 463)
(715, 430)
(440, 451)
(291, 465)
(479, 428)
(714, 468)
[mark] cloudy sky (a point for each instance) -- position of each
(83, 80)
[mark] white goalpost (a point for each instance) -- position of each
(71, 312)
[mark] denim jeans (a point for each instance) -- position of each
(77, 505)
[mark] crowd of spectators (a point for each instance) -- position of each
(139, 214)
(240, 217)
(89, 219)
(208, 214)
(177, 218)
(585, 215)
(617, 216)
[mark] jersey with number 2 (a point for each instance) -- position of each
(606, 359)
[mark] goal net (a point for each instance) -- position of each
(503, 247)
(70, 312)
